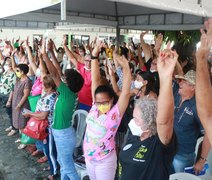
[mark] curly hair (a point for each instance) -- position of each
(148, 109)
(74, 80)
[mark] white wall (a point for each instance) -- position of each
(56, 35)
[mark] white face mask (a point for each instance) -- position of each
(87, 68)
(152, 71)
(135, 129)
(138, 84)
(6, 67)
(38, 72)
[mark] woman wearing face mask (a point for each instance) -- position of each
(148, 154)
(19, 96)
(103, 121)
(39, 70)
(82, 63)
(7, 82)
(144, 85)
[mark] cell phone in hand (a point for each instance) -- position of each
(24, 111)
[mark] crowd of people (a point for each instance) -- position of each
(156, 98)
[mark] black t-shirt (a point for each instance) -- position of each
(148, 159)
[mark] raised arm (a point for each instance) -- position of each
(30, 57)
(165, 117)
(203, 88)
(51, 68)
(146, 48)
(140, 59)
(158, 43)
(1, 56)
(178, 68)
(114, 55)
(14, 65)
(50, 48)
(69, 53)
(124, 97)
(113, 81)
(42, 66)
(95, 72)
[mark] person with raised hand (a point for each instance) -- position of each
(82, 62)
(203, 88)
(103, 121)
(62, 131)
(187, 124)
(153, 142)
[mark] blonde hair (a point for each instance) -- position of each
(49, 82)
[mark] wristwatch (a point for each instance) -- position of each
(94, 57)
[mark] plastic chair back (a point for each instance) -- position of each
(79, 123)
(183, 176)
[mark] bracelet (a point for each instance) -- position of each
(94, 57)
(202, 158)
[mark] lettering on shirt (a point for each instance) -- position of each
(189, 111)
(139, 156)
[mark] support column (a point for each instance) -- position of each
(117, 35)
(63, 10)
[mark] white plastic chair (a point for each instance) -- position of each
(183, 176)
(79, 123)
(199, 140)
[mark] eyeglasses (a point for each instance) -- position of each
(102, 103)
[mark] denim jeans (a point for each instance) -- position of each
(52, 155)
(182, 161)
(65, 141)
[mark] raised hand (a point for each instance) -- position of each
(166, 63)
(143, 34)
(50, 45)
(110, 70)
(206, 41)
(97, 48)
(27, 41)
(42, 48)
(64, 40)
(14, 51)
(123, 62)
(158, 42)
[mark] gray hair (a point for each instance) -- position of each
(148, 109)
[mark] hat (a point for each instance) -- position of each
(190, 77)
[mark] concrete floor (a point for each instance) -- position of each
(16, 164)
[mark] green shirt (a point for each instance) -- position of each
(64, 107)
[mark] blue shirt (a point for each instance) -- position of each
(187, 124)
(120, 81)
